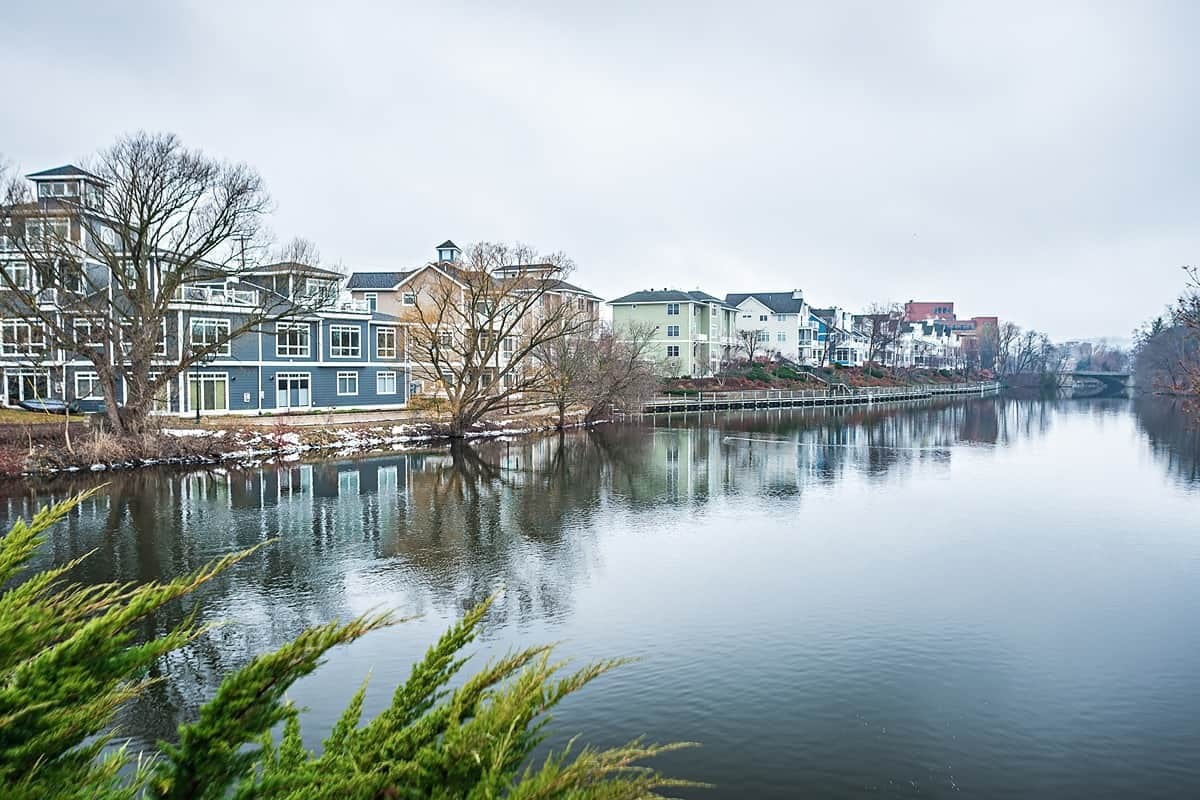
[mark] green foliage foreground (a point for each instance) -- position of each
(70, 658)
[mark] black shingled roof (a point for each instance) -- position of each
(65, 171)
(446, 244)
(668, 296)
(777, 302)
(376, 280)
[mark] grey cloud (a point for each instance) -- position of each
(1029, 160)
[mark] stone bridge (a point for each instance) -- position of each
(1110, 383)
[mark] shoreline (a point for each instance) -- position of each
(198, 447)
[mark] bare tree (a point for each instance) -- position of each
(478, 325)
(988, 345)
(881, 324)
(99, 270)
(1187, 316)
(568, 368)
(748, 342)
(1006, 341)
(622, 372)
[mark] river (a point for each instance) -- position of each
(989, 598)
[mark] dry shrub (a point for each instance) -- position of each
(105, 448)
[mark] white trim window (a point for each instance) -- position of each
(445, 339)
(347, 384)
(385, 343)
(372, 299)
(21, 338)
(58, 189)
(345, 341)
(87, 334)
(672, 351)
(160, 347)
(45, 231)
(672, 330)
(385, 382)
(19, 273)
(408, 298)
(762, 336)
(508, 346)
(87, 386)
(292, 339)
(781, 336)
(672, 309)
(207, 332)
(320, 290)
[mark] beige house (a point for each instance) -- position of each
(414, 297)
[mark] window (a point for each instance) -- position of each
(345, 342)
(781, 317)
(445, 338)
(87, 386)
(208, 332)
(160, 347)
(347, 384)
(46, 230)
(320, 291)
(672, 351)
(762, 336)
(87, 334)
(762, 317)
(508, 346)
(20, 338)
(20, 274)
(291, 339)
(672, 330)
(58, 189)
(385, 343)
(805, 334)
(385, 383)
(672, 309)
(781, 336)
(409, 298)
(372, 301)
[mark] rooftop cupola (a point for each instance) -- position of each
(448, 251)
(71, 183)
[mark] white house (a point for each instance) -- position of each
(782, 322)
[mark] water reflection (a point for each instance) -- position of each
(437, 531)
(1172, 428)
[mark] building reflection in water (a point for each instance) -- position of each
(441, 530)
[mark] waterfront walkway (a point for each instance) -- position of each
(838, 395)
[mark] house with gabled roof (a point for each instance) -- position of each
(781, 322)
(413, 295)
(694, 333)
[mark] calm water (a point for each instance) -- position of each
(991, 598)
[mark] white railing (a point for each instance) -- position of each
(799, 396)
(212, 296)
(354, 306)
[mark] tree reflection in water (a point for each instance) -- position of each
(443, 529)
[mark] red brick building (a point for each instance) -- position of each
(915, 311)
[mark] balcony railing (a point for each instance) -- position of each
(224, 297)
(353, 306)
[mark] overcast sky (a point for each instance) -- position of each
(1034, 161)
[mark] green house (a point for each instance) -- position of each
(692, 333)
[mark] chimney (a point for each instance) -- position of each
(797, 294)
